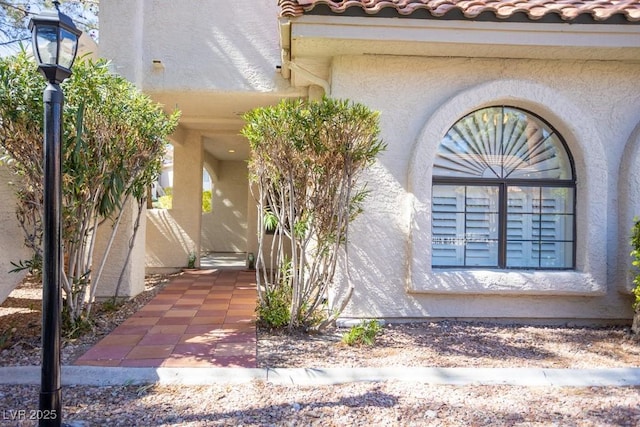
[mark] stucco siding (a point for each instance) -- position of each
(594, 105)
(173, 234)
(201, 45)
(628, 208)
(12, 248)
(214, 60)
(167, 243)
(120, 263)
(224, 229)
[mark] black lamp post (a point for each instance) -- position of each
(55, 44)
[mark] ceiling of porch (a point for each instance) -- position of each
(217, 117)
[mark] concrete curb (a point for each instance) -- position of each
(106, 376)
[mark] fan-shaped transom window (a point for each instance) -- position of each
(503, 194)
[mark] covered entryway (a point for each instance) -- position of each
(209, 155)
(226, 201)
(212, 74)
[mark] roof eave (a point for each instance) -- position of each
(321, 35)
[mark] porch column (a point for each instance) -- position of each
(252, 220)
(187, 195)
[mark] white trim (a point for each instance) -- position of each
(326, 36)
(497, 282)
(428, 30)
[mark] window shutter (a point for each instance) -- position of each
(480, 247)
(447, 230)
(518, 250)
(551, 232)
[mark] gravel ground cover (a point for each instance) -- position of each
(443, 344)
(458, 344)
(359, 404)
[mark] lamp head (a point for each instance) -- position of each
(55, 43)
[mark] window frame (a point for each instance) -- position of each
(503, 185)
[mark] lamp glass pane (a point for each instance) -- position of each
(68, 46)
(47, 44)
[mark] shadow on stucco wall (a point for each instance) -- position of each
(377, 250)
(628, 207)
(164, 236)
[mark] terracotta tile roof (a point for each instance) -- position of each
(566, 10)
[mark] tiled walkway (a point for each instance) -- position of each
(203, 318)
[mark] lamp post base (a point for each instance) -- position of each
(50, 417)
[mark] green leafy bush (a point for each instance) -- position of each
(112, 145)
(73, 328)
(191, 260)
(635, 254)
(33, 265)
(273, 309)
(5, 338)
(206, 201)
(163, 202)
(166, 201)
(111, 305)
(306, 158)
(364, 333)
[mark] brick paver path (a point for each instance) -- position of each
(203, 318)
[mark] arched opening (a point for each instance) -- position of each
(162, 189)
(207, 188)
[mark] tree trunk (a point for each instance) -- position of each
(635, 327)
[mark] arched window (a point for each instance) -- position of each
(503, 194)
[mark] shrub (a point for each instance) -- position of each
(191, 260)
(306, 158)
(166, 201)
(163, 202)
(364, 333)
(635, 254)
(112, 145)
(5, 338)
(33, 265)
(273, 309)
(206, 201)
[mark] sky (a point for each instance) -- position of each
(15, 16)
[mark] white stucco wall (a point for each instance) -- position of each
(132, 271)
(167, 243)
(628, 208)
(224, 229)
(594, 105)
(12, 247)
(173, 234)
(203, 45)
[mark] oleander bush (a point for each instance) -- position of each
(113, 143)
(306, 158)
